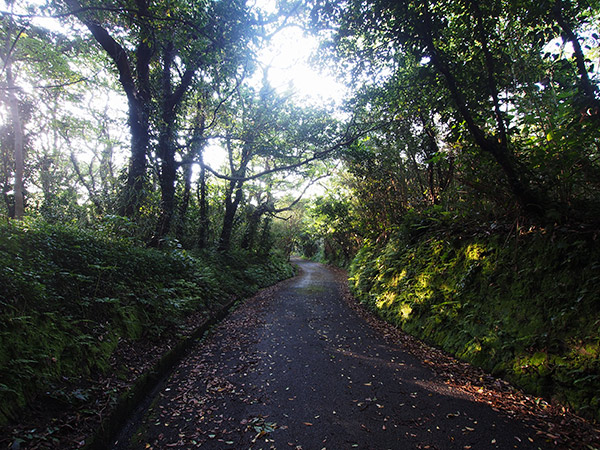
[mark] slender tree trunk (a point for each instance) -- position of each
(197, 152)
(430, 152)
(232, 201)
(89, 187)
(446, 179)
(530, 201)
(18, 144)
(491, 79)
(588, 90)
(204, 222)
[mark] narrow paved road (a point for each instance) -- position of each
(296, 368)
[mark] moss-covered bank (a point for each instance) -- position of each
(68, 296)
(523, 305)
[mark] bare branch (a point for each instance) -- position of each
(12, 48)
(317, 156)
(291, 205)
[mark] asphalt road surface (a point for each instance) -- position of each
(296, 368)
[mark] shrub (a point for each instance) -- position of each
(68, 295)
(524, 306)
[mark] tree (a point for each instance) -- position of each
(37, 58)
(334, 222)
(248, 127)
(12, 34)
(265, 134)
(567, 14)
(478, 62)
(405, 163)
(166, 46)
(92, 141)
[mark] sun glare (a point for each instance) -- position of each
(287, 61)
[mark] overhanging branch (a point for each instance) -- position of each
(317, 156)
(276, 211)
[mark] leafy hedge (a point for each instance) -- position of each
(68, 295)
(525, 306)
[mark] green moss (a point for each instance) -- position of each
(67, 296)
(524, 306)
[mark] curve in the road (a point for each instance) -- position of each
(296, 368)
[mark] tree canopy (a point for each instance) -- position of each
(475, 108)
(497, 98)
(187, 76)
(458, 179)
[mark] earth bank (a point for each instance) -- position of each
(523, 304)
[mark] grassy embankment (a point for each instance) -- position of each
(68, 297)
(522, 305)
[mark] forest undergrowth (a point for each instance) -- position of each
(73, 300)
(520, 302)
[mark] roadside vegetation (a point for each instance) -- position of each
(151, 171)
(147, 169)
(522, 304)
(469, 217)
(72, 297)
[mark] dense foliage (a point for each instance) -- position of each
(112, 113)
(125, 111)
(70, 296)
(489, 106)
(523, 304)
(118, 222)
(473, 203)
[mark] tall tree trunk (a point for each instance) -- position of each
(135, 81)
(167, 179)
(18, 143)
(185, 200)
(171, 97)
(138, 98)
(531, 202)
(167, 203)
(197, 153)
(233, 197)
(166, 151)
(133, 193)
(203, 229)
(585, 85)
